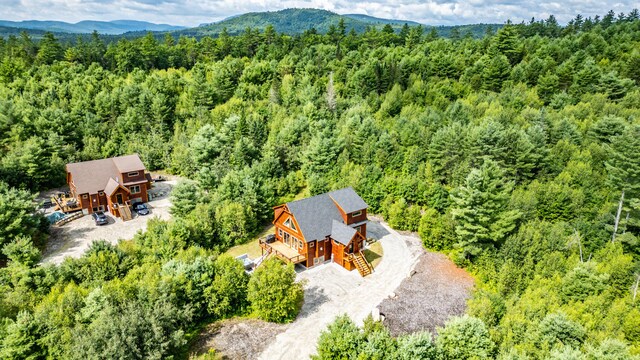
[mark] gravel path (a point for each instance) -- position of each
(332, 291)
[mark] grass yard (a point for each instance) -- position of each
(374, 254)
(252, 247)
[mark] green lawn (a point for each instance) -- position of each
(252, 247)
(374, 254)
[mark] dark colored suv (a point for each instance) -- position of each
(100, 218)
(141, 209)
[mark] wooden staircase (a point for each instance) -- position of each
(68, 218)
(363, 266)
(125, 212)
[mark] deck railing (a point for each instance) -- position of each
(293, 259)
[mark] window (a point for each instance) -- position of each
(312, 244)
(300, 245)
(101, 193)
(288, 223)
(132, 174)
(84, 196)
(135, 189)
(280, 232)
(356, 214)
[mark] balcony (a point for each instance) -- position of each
(282, 251)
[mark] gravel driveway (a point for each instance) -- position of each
(74, 238)
(332, 291)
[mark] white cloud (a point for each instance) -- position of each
(193, 12)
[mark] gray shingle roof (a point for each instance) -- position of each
(348, 200)
(315, 215)
(341, 232)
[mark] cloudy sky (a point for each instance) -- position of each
(194, 12)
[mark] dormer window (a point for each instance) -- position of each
(132, 174)
(288, 223)
(356, 214)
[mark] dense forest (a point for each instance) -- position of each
(516, 154)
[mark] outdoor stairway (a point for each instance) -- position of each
(125, 212)
(262, 258)
(68, 218)
(363, 266)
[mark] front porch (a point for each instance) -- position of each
(282, 251)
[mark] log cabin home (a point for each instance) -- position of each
(111, 185)
(326, 227)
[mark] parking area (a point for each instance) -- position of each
(75, 237)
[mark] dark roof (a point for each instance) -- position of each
(93, 176)
(342, 233)
(112, 185)
(128, 163)
(348, 200)
(315, 215)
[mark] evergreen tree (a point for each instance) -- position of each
(482, 219)
(50, 49)
(624, 169)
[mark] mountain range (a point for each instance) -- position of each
(288, 21)
(115, 27)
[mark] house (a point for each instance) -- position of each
(112, 184)
(326, 227)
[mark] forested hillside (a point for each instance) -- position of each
(516, 154)
(298, 21)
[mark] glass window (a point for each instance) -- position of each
(357, 213)
(135, 189)
(132, 174)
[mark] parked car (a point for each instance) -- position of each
(100, 218)
(141, 209)
(271, 238)
(159, 178)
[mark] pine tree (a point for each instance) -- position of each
(496, 72)
(50, 49)
(624, 169)
(482, 219)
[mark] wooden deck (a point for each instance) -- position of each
(66, 204)
(282, 251)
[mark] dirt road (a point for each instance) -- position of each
(332, 291)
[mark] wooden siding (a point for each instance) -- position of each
(127, 179)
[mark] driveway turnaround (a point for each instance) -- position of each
(75, 237)
(332, 291)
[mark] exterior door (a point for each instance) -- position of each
(119, 199)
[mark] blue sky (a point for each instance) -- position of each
(193, 13)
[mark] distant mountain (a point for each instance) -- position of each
(297, 21)
(115, 27)
(291, 21)
(375, 20)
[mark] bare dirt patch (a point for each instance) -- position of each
(75, 237)
(236, 338)
(436, 291)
